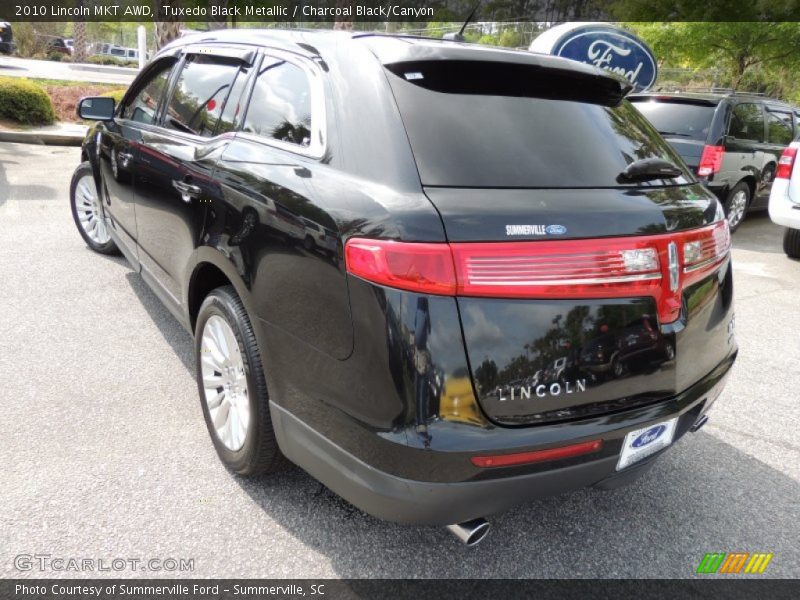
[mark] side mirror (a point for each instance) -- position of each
(99, 108)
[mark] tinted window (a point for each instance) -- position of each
(232, 112)
(747, 122)
(504, 134)
(143, 106)
(200, 94)
(280, 107)
(779, 127)
(678, 119)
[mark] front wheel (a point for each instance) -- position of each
(736, 205)
(791, 243)
(233, 390)
(86, 211)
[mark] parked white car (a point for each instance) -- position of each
(784, 200)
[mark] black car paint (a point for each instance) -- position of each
(355, 369)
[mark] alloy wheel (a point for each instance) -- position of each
(87, 207)
(738, 205)
(224, 383)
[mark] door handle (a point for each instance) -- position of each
(124, 158)
(186, 190)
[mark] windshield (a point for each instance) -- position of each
(678, 119)
(473, 125)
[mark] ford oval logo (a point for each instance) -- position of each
(555, 230)
(604, 46)
(649, 436)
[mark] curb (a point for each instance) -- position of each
(37, 137)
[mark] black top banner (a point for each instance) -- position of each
(398, 11)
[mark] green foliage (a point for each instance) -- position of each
(116, 95)
(105, 59)
(750, 56)
(57, 56)
(24, 101)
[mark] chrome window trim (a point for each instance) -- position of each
(319, 141)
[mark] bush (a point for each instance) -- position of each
(116, 95)
(24, 101)
(56, 56)
(105, 59)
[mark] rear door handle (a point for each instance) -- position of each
(186, 190)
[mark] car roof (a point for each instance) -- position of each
(388, 48)
(710, 98)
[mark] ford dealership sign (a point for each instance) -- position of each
(604, 46)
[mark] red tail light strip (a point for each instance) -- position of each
(710, 160)
(654, 265)
(526, 458)
(786, 163)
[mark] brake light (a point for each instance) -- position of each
(416, 267)
(525, 458)
(786, 163)
(565, 269)
(711, 160)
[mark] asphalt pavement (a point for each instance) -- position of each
(12, 66)
(104, 453)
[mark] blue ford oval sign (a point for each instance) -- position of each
(555, 230)
(603, 46)
(649, 436)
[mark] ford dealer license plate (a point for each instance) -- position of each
(643, 442)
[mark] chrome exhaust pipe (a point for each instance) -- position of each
(471, 532)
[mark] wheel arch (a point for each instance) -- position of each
(751, 183)
(208, 271)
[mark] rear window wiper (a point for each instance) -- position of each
(647, 169)
(678, 133)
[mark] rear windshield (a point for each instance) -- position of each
(472, 124)
(678, 119)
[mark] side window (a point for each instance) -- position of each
(200, 94)
(779, 128)
(280, 107)
(747, 122)
(143, 106)
(232, 111)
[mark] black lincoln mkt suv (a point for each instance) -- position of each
(442, 279)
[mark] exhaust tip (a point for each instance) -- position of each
(470, 533)
(699, 423)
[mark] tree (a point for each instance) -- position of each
(167, 30)
(735, 48)
(79, 36)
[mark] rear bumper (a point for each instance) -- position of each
(404, 500)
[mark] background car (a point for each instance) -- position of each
(6, 38)
(784, 200)
(732, 141)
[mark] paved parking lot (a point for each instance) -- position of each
(105, 455)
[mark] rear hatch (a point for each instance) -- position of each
(576, 287)
(685, 123)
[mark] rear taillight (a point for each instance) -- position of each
(786, 164)
(417, 267)
(654, 265)
(711, 160)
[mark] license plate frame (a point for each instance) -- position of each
(646, 441)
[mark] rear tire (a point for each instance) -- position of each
(230, 379)
(791, 243)
(84, 202)
(736, 205)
